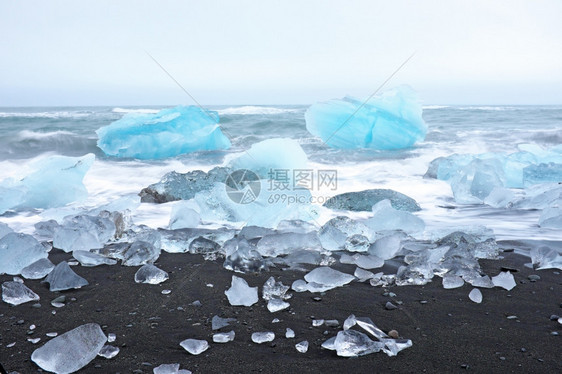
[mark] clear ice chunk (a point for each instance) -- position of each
(351, 343)
(70, 351)
(150, 274)
(108, 351)
(62, 277)
(17, 293)
(140, 253)
(166, 369)
(195, 346)
(224, 337)
(272, 289)
(274, 245)
(302, 347)
(328, 277)
(168, 133)
(240, 293)
(38, 270)
(53, 182)
(18, 251)
(504, 280)
(386, 218)
(475, 295)
(83, 232)
(363, 275)
(386, 247)
(334, 234)
(241, 256)
(546, 258)
(275, 305)
(551, 217)
(483, 281)
(368, 262)
(4, 230)
(217, 322)
(452, 281)
(390, 120)
(263, 337)
(89, 259)
(289, 333)
(330, 344)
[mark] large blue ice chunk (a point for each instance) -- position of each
(53, 182)
(168, 133)
(391, 120)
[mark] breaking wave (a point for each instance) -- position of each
(61, 114)
(249, 110)
(138, 110)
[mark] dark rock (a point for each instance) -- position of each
(363, 201)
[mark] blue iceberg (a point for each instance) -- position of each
(53, 182)
(168, 133)
(391, 120)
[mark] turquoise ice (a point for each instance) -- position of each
(391, 120)
(168, 133)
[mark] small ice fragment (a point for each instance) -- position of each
(51, 334)
(273, 289)
(70, 351)
(183, 216)
(349, 322)
(217, 322)
(505, 280)
(351, 343)
(386, 247)
(317, 322)
(17, 293)
(452, 281)
(263, 337)
(385, 217)
(329, 277)
(275, 320)
(332, 323)
(475, 295)
(275, 305)
(302, 347)
(210, 285)
(224, 337)
(10, 345)
(32, 327)
(37, 270)
(368, 262)
(195, 346)
(34, 341)
(91, 259)
(166, 292)
(299, 285)
(111, 337)
(166, 369)
(289, 333)
(240, 293)
(482, 282)
(108, 351)
(363, 275)
(150, 274)
(63, 278)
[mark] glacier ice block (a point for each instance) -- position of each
(62, 277)
(18, 251)
(195, 346)
(168, 133)
(240, 293)
(17, 293)
(390, 120)
(150, 274)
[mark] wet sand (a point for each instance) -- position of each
(449, 332)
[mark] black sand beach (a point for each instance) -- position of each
(449, 332)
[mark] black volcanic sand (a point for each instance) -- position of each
(450, 333)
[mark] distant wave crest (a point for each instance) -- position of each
(28, 134)
(245, 110)
(138, 110)
(61, 114)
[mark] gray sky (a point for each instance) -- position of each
(278, 52)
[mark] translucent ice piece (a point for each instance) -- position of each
(275, 305)
(166, 369)
(87, 258)
(4, 230)
(546, 258)
(64, 278)
(328, 277)
(504, 280)
(183, 216)
(83, 232)
(351, 343)
(272, 289)
(195, 346)
(263, 337)
(475, 295)
(364, 200)
(217, 322)
(141, 252)
(334, 234)
(37, 270)
(18, 251)
(240, 293)
(17, 293)
(168, 133)
(551, 217)
(385, 217)
(387, 246)
(150, 274)
(70, 351)
(289, 333)
(302, 347)
(108, 351)
(274, 245)
(224, 337)
(363, 275)
(452, 281)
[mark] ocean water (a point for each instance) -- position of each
(30, 133)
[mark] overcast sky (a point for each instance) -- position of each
(278, 52)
